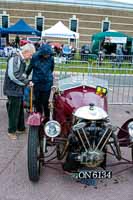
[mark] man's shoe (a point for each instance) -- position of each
(12, 136)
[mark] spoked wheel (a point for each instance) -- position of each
(132, 153)
(61, 150)
(103, 164)
(115, 147)
(33, 154)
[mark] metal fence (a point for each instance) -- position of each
(120, 80)
(112, 60)
(120, 83)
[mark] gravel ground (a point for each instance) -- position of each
(54, 184)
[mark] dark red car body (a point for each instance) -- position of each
(71, 99)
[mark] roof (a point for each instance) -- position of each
(110, 4)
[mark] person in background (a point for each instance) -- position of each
(17, 41)
(119, 55)
(42, 64)
(8, 49)
(13, 43)
(113, 59)
(100, 57)
(14, 83)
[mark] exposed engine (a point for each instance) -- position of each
(89, 137)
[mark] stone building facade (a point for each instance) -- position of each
(89, 17)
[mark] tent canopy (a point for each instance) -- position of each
(21, 27)
(110, 33)
(59, 30)
(110, 36)
(3, 30)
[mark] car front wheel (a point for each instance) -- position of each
(33, 154)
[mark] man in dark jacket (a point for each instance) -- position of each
(17, 41)
(15, 80)
(42, 64)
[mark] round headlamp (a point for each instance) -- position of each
(130, 129)
(52, 128)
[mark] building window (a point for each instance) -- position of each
(39, 23)
(74, 25)
(4, 24)
(105, 26)
(5, 21)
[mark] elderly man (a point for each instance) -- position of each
(14, 83)
(42, 64)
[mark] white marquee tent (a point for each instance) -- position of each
(59, 30)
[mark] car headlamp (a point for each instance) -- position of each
(130, 129)
(52, 128)
(101, 91)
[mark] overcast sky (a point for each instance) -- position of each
(124, 1)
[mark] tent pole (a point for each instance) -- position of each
(76, 43)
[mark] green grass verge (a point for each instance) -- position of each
(94, 67)
(82, 67)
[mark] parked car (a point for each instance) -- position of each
(30, 39)
(79, 128)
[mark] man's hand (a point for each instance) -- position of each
(31, 84)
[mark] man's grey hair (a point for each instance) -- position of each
(28, 47)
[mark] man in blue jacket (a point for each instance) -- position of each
(42, 64)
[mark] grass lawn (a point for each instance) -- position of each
(90, 66)
(3, 62)
(94, 67)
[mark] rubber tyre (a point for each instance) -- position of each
(132, 153)
(103, 164)
(33, 147)
(117, 147)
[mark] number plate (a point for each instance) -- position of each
(89, 174)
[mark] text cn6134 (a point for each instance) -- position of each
(93, 174)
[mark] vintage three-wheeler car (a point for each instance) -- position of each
(79, 128)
